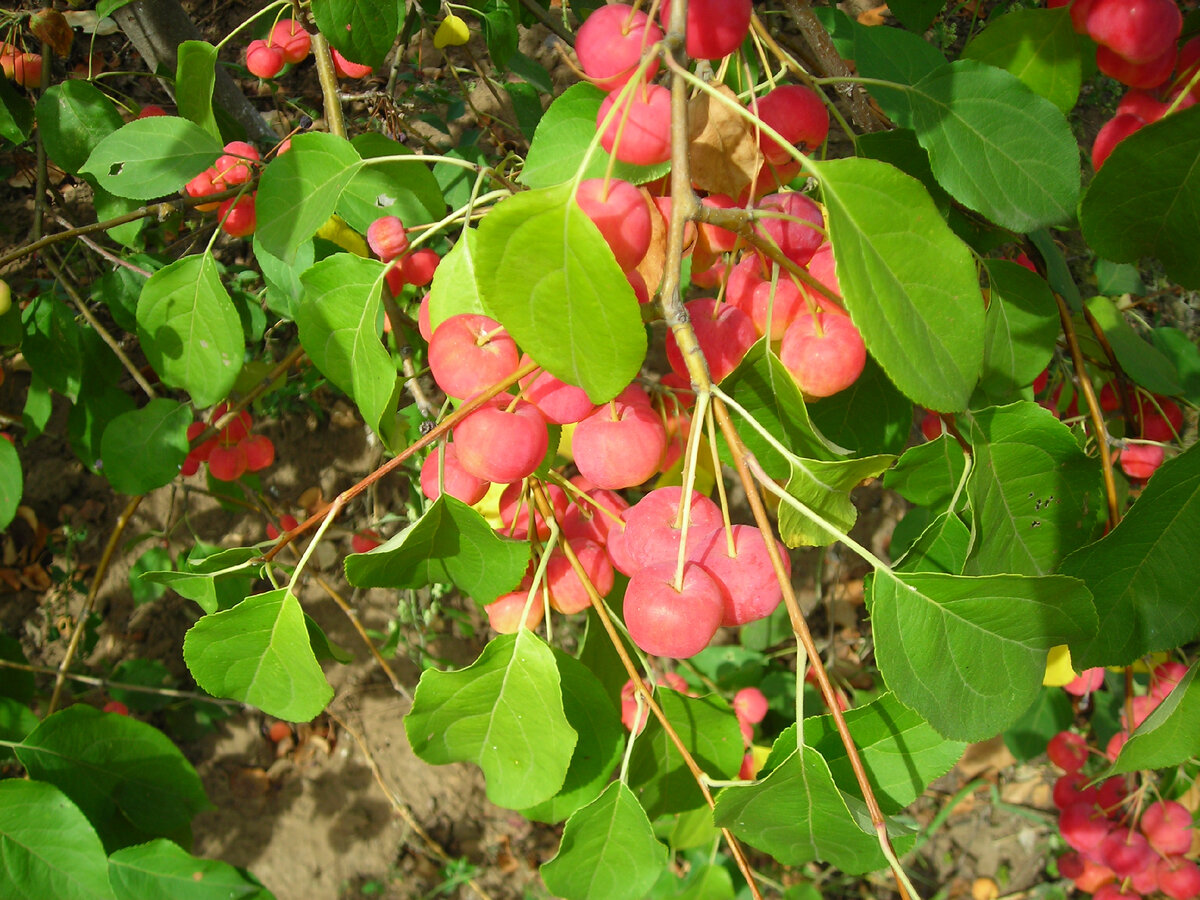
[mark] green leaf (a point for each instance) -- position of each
(339, 322)
(259, 652)
(1113, 279)
(527, 104)
(499, 31)
(504, 712)
(38, 405)
(299, 190)
(161, 870)
(195, 75)
(916, 15)
(770, 395)
(131, 782)
(562, 138)
(1184, 356)
(942, 547)
(901, 752)
(197, 579)
(709, 731)
(1021, 327)
(1034, 494)
(824, 487)
(996, 146)
(1170, 734)
(12, 483)
(889, 54)
(16, 722)
(143, 449)
(48, 846)
(608, 851)
(363, 31)
(901, 149)
(1040, 47)
(323, 648)
(450, 543)
(1141, 360)
(16, 115)
(157, 558)
(968, 653)
(546, 273)
(189, 328)
(797, 814)
(870, 416)
(598, 750)
(910, 285)
(1145, 201)
(147, 673)
(1049, 714)
(73, 117)
(1143, 573)
(455, 289)
(16, 684)
(51, 344)
(1058, 272)
(402, 188)
(152, 157)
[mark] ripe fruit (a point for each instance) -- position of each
(619, 210)
(1138, 30)
(667, 622)
(1140, 461)
(459, 483)
(504, 613)
(793, 223)
(825, 353)
(237, 216)
(259, 450)
(203, 185)
(23, 68)
(750, 704)
(291, 39)
(418, 267)
(227, 462)
(278, 731)
(567, 593)
(116, 706)
(798, 114)
(387, 238)
(724, 334)
(1145, 75)
(500, 445)
(264, 60)
(1082, 826)
(559, 402)
(1178, 878)
(364, 542)
(619, 445)
(468, 353)
(640, 130)
(651, 530)
(610, 44)
(749, 588)
(347, 69)
(1114, 131)
(234, 166)
(1125, 852)
(1068, 751)
(715, 28)
(1167, 825)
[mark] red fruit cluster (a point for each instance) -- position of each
(629, 706)
(1156, 418)
(1114, 852)
(288, 43)
(23, 68)
(233, 452)
(235, 166)
(388, 240)
(1138, 45)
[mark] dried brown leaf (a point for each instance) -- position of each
(723, 151)
(51, 26)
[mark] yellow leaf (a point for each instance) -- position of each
(452, 32)
(335, 230)
(1058, 667)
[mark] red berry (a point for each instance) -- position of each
(259, 450)
(750, 704)
(263, 60)
(387, 238)
(227, 462)
(237, 216)
(1068, 751)
(1140, 461)
(418, 267)
(116, 706)
(292, 40)
(1082, 826)
(643, 121)
(278, 731)
(347, 69)
(1168, 827)
(610, 44)
(365, 542)
(715, 28)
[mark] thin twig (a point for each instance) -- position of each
(107, 254)
(397, 684)
(108, 684)
(548, 20)
(110, 550)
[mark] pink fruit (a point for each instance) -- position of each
(263, 60)
(1068, 751)
(667, 622)
(1074, 788)
(259, 450)
(347, 69)
(1164, 678)
(798, 114)
(610, 44)
(724, 334)
(469, 353)
(116, 706)
(1089, 680)
(504, 613)
(234, 166)
(1167, 825)
(365, 541)
(750, 704)
(518, 512)
(1142, 104)
(387, 238)
(620, 445)
(1112, 133)
(1145, 75)
(291, 39)
(1114, 891)
(1140, 461)
(715, 28)
(418, 267)
(500, 445)
(594, 520)
(1112, 794)
(621, 214)
(719, 240)
(459, 483)
(1178, 878)
(640, 131)
(793, 223)
(237, 216)
(567, 593)
(1125, 852)
(227, 462)
(774, 307)
(150, 110)
(559, 402)
(744, 279)
(1083, 827)
(1138, 30)
(825, 353)
(749, 587)
(1113, 749)
(652, 532)
(203, 185)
